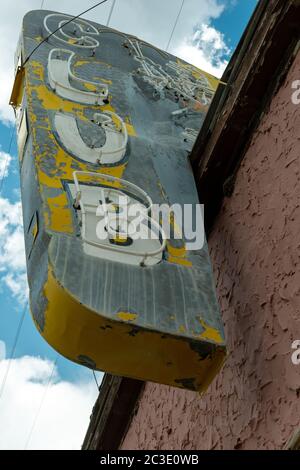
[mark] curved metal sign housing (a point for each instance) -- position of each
(103, 163)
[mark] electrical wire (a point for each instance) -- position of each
(6, 160)
(95, 379)
(59, 28)
(174, 27)
(12, 355)
(111, 12)
(40, 405)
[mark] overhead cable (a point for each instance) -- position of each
(13, 351)
(6, 159)
(41, 404)
(175, 24)
(59, 28)
(111, 12)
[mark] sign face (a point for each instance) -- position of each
(116, 281)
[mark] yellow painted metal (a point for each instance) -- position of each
(18, 88)
(109, 343)
(58, 215)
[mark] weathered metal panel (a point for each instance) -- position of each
(160, 322)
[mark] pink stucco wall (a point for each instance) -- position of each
(254, 403)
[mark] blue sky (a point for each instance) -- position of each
(208, 38)
(234, 19)
(30, 343)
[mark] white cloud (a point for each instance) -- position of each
(2, 350)
(10, 27)
(152, 21)
(17, 284)
(5, 161)
(12, 250)
(65, 411)
(205, 49)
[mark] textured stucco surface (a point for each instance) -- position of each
(255, 249)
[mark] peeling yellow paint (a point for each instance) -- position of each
(60, 214)
(102, 80)
(57, 211)
(35, 230)
(130, 129)
(181, 261)
(177, 252)
(198, 73)
(120, 239)
(127, 316)
(210, 333)
(76, 330)
(162, 191)
(81, 62)
(177, 255)
(49, 99)
(65, 162)
(18, 89)
(90, 87)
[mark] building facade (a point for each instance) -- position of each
(254, 244)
